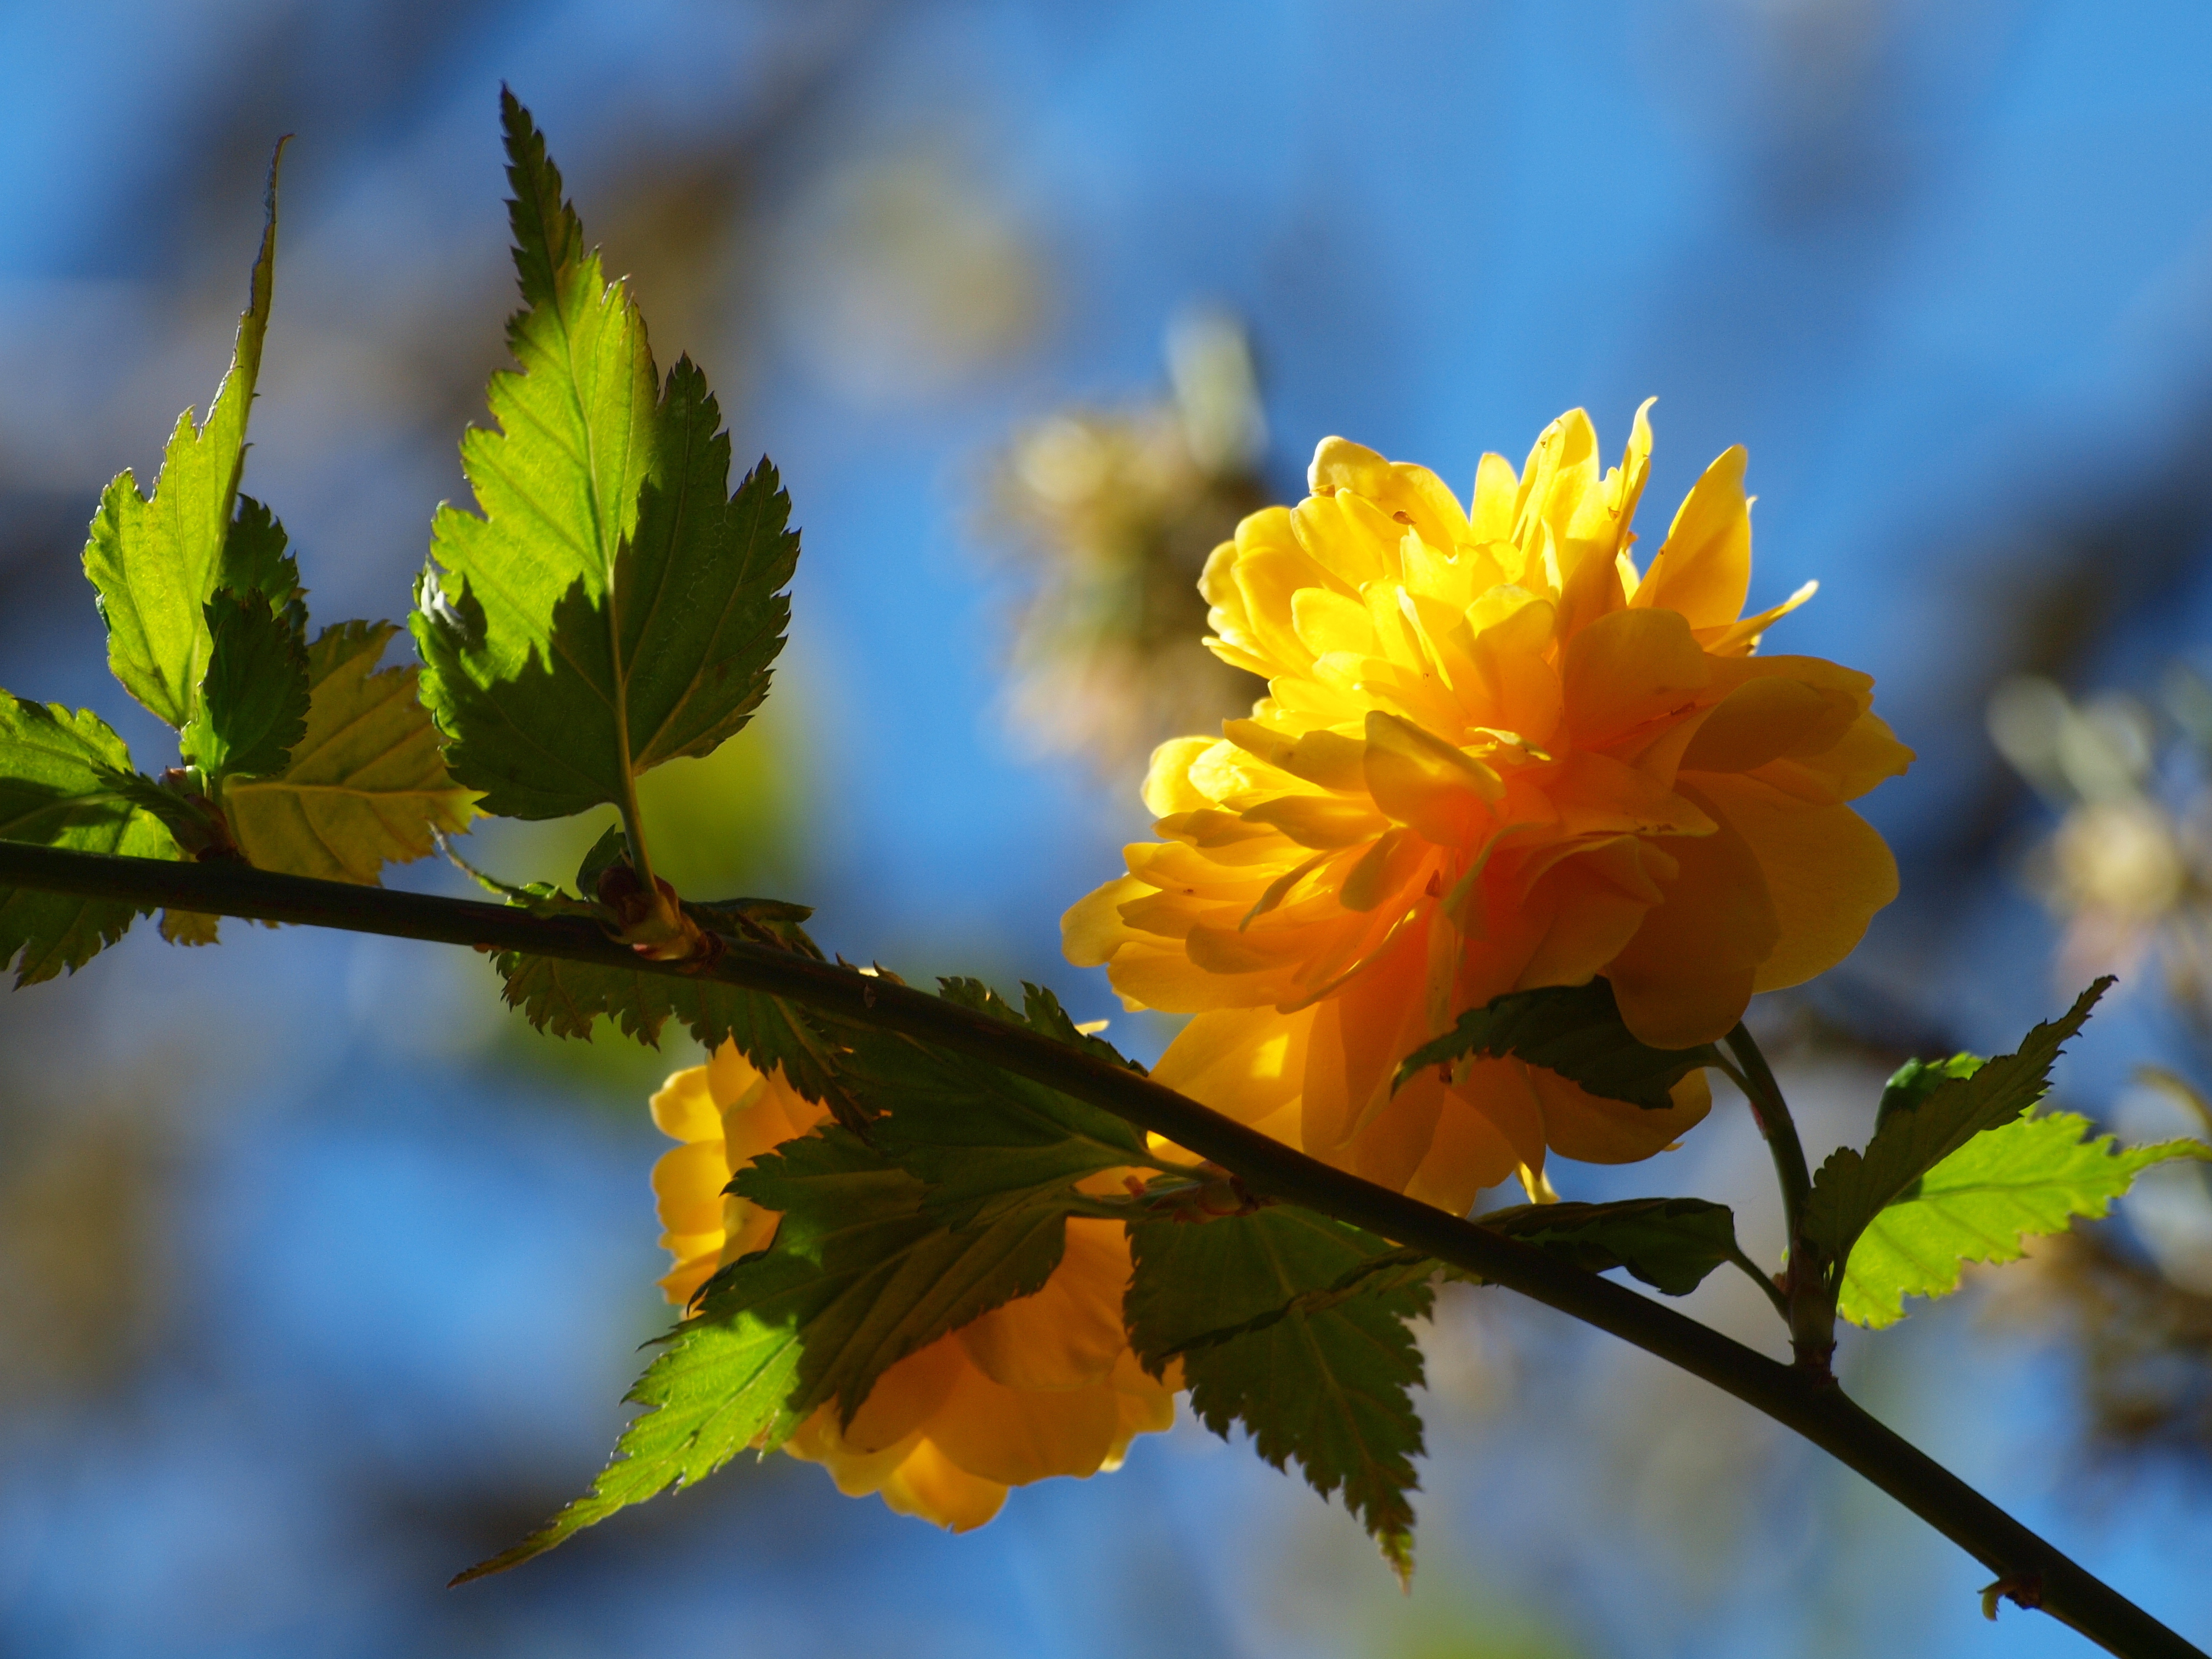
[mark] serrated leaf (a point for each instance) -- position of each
(1576, 1030)
(565, 997)
(1852, 1187)
(858, 1278)
(256, 558)
(65, 781)
(253, 701)
(155, 561)
(1914, 1081)
(1670, 1244)
(613, 607)
(1325, 1382)
(981, 1138)
(2009, 1184)
(365, 786)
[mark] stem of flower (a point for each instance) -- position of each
(1808, 1298)
(2029, 1569)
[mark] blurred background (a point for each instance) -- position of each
(321, 1276)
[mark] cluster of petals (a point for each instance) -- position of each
(1041, 1386)
(1492, 756)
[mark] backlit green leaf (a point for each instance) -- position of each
(2009, 1184)
(365, 785)
(565, 997)
(1852, 1187)
(979, 1138)
(858, 1278)
(65, 781)
(613, 606)
(253, 702)
(156, 561)
(1325, 1379)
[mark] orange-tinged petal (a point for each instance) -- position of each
(1421, 780)
(1628, 669)
(1246, 1063)
(1068, 1333)
(1686, 976)
(1015, 1435)
(1703, 568)
(1763, 719)
(928, 1484)
(905, 1397)
(1866, 755)
(1150, 976)
(1467, 1153)
(1590, 1130)
(1596, 902)
(856, 1474)
(1825, 866)
(682, 1282)
(730, 1076)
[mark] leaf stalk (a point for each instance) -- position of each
(1808, 1296)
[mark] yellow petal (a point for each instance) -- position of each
(1630, 668)
(684, 1108)
(688, 1182)
(1590, 1130)
(1468, 1153)
(1015, 1435)
(1069, 1334)
(1246, 1063)
(1764, 719)
(930, 1485)
(1703, 569)
(905, 1397)
(1168, 787)
(1826, 868)
(1093, 930)
(1686, 976)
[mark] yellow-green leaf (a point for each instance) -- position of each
(155, 561)
(365, 785)
(2030, 1177)
(65, 781)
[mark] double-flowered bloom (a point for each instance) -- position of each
(1043, 1385)
(1492, 756)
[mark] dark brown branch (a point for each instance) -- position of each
(2031, 1570)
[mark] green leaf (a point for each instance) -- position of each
(65, 781)
(156, 561)
(1670, 1244)
(983, 1139)
(858, 1278)
(253, 702)
(1574, 1031)
(365, 785)
(256, 559)
(1325, 1379)
(566, 997)
(2030, 1177)
(614, 606)
(1851, 1189)
(1913, 1082)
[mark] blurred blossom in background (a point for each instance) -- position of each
(321, 1276)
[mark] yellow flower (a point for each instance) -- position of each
(1493, 758)
(1042, 1386)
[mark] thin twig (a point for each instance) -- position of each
(1819, 1412)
